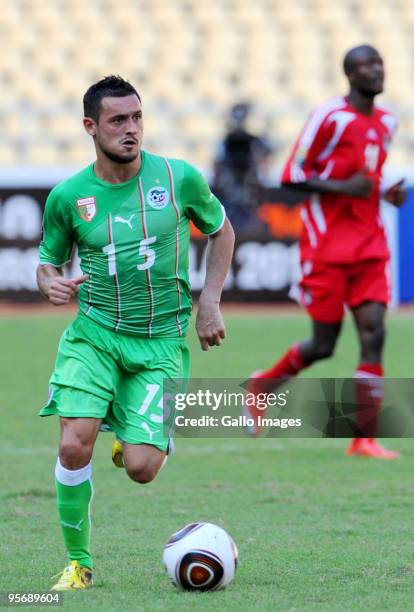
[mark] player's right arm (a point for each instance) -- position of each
(54, 251)
(300, 171)
(54, 287)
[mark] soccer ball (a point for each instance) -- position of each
(201, 557)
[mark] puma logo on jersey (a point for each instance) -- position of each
(119, 219)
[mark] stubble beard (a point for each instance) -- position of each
(119, 159)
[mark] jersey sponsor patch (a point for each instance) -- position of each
(158, 197)
(87, 208)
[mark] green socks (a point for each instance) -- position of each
(74, 493)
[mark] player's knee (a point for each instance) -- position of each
(142, 474)
(73, 454)
(372, 337)
(324, 350)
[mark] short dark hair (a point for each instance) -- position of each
(354, 54)
(110, 86)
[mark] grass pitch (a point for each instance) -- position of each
(315, 530)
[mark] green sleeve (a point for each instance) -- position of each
(56, 245)
(200, 205)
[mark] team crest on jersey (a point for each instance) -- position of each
(158, 197)
(87, 208)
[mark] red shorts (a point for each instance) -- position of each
(326, 288)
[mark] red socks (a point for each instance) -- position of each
(289, 365)
(368, 383)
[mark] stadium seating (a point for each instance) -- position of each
(190, 59)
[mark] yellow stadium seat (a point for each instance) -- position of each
(8, 155)
(188, 55)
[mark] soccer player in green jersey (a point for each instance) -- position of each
(129, 214)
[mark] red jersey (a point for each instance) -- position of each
(336, 142)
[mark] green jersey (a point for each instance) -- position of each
(133, 242)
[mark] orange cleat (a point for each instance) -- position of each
(381, 452)
(369, 447)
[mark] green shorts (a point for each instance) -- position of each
(116, 377)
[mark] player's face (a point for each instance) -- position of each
(367, 75)
(118, 132)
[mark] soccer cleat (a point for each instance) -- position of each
(73, 577)
(251, 412)
(359, 446)
(380, 452)
(369, 447)
(117, 454)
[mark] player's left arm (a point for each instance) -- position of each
(209, 216)
(209, 323)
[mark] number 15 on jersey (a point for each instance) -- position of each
(144, 250)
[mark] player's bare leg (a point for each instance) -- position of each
(142, 461)
(369, 321)
(74, 492)
(320, 346)
(77, 439)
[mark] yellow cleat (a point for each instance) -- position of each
(117, 454)
(73, 577)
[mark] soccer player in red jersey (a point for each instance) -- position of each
(338, 162)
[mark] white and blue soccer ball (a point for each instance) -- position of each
(201, 557)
